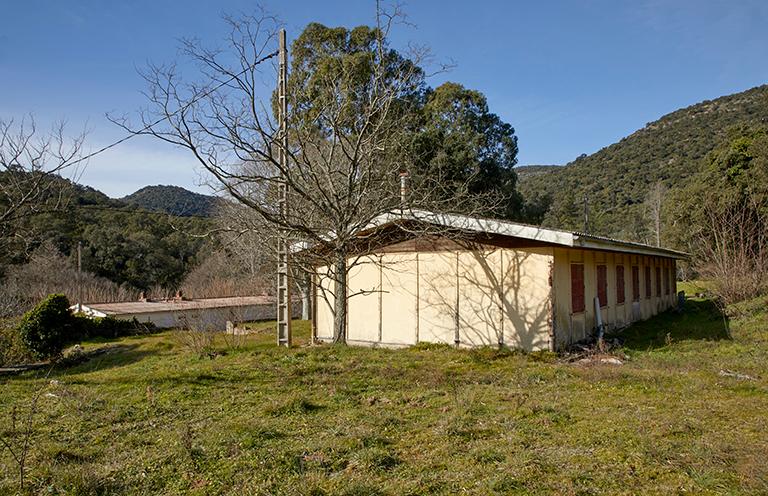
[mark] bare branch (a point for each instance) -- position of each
(31, 165)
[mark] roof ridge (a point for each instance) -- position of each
(526, 231)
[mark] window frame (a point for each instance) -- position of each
(635, 283)
(621, 296)
(647, 274)
(577, 269)
(604, 297)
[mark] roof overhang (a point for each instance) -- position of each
(588, 241)
(521, 231)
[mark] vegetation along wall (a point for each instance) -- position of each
(630, 287)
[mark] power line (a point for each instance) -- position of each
(183, 108)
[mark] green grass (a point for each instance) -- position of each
(153, 418)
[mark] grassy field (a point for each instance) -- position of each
(150, 417)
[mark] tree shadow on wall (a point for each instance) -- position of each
(499, 302)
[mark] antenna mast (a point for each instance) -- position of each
(79, 276)
(283, 279)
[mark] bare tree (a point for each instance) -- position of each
(347, 141)
(47, 272)
(733, 250)
(30, 166)
(654, 201)
(253, 244)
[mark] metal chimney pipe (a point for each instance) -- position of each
(403, 187)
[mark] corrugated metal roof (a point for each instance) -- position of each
(629, 246)
(560, 237)
(139, 307)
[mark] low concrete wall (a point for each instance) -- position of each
(209, 318)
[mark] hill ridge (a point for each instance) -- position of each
(173, 200)
(617, 178)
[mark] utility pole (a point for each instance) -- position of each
(586, 214)
(283, 282)
(79, 276)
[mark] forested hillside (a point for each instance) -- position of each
(617, 179)
(172, 200)
(121, 242)
(527, 171)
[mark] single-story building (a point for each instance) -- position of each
(471, 282)
(199, 313)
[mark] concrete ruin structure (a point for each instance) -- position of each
(200, 313)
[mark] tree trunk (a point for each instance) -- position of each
(340, 299)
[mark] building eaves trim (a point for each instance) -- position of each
(523, 231)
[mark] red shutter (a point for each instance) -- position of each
(635, 284)
(602, 285)
(658, 281)
(577, 288)
(647, 282)
(619, 284)
(673, 278)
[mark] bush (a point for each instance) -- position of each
(49, 327)
(13, 351)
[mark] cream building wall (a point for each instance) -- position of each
(518, 297)
(462, 297)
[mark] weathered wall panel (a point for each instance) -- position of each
(490, 297)
(399, 299)
(527, 313)
(480, 289)
(324, 305)
(438, 297)
(575, 326)
(364, 286)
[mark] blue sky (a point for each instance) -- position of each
(570, 76)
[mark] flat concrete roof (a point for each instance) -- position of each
(139, 307)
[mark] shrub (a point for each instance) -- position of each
(109, 327)
(49, 327)
(13, 351)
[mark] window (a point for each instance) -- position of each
(619, 284)
(666, 280)
(658, 281)
(577, 288)
(602, 285)
(635, 283)
(647, 282)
